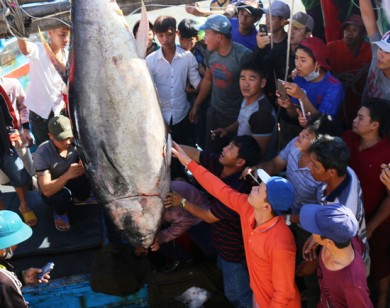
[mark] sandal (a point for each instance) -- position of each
(61, 222)
(29, 217)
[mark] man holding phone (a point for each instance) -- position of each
(243, 16)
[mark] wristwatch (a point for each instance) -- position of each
(288, 221)
(182, 203)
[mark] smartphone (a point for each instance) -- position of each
(46, 269)
(263, 28)
(282, 89)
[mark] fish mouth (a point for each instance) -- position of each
(137, 218)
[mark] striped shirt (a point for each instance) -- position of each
(226, 234)
(307, 190)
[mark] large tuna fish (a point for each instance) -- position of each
(119, 125)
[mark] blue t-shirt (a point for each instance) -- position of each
(249, 41)
(326, 95)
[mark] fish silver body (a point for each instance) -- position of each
(116, 114)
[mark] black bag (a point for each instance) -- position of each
(117, 271)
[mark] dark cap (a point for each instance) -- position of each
(278, 8)
(354, 19)
(303, 20)
(59, 126)
(334, 221)
(252, 7)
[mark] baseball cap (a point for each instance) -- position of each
(354, 19)
(218, 23)
(384, 43)
(334, 221)
(280, 192)
(59, 127)
(279, 8)
(303, 20)
(12, 229)
(252, 7)
(319, 50)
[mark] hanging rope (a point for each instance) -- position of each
(13, 18)
(270, 24)
(288, 40)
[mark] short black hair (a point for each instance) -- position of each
(323, 124)
(164, 23)
(339, 245)
(332, 152)
(379, 110)
(252, 64)
(136, 27)
(248, 149)
(187, 28)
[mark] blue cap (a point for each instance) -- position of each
(280, 193)
(278, 8)
(334, 221)
(218, 23)
(12, 229)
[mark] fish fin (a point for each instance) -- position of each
(58, 65)
(118, 10)
(143, 33)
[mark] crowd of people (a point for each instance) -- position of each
(285, 127)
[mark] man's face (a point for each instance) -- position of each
(167, 38)
(212, 39)
(150, 38)
(317, 170)
(258, 196)
(277, 23)
(353, 35)
(59, 37)
(362, 123)
(229, 155)
(297, 35)
(188, 43)
(61, 145)
(246, 20)
(250, 84)
(304, 64)
(383, 62)
(304, 140)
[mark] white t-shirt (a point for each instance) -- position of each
(46, 85)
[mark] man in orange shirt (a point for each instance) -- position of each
(269, 244)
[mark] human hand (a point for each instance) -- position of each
(293, 90)
(27, 138)
(140, 250)
(303, 119)
(31, 276)
(155, 246)
(14, 138)
(385, 175)
(306, 268)
(221, 132)
(284, 103)
(74, 171)
(179, 153)
(172, 199)
(309, 249)
(194, 9)
(262, 40)
(193, 115)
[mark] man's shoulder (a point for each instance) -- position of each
(43, 149)
(239, 48)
